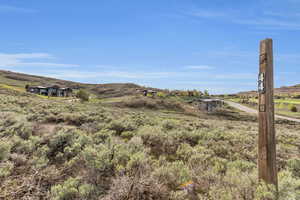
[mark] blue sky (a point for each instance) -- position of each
(175, 44)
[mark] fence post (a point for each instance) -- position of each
(267, 170)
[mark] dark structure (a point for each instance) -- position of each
(151, 92)
(210, 105)
(54, 91)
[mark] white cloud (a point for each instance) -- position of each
(26, 55)
(207, 14)
(200, 67)
(206, 78)
(236, 76)
(288, 57)
(67, 74)
(269, 23)
(19, 60)
(43, 64)
(282, 14)
(266, 20)
(217, 83)
(10, 9)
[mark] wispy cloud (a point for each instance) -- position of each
(288, 58)
(236, 76)
(45, 64)
(19, 60)
(206, 14)
(69, 74)
(144, 75)
(218, 83)
(269, 24)
(229, 53)
(199, 67)
(282, 14)
(266, 20)
(13, 9)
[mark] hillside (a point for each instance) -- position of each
(101, 90)
(133, 148)
(282, 91)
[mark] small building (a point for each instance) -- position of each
(151, 92)
(210, 105)
(54, 91)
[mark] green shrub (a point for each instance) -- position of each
(234, 185)
(18, 159)
(66, 144)
(102, 136)
(24, 146)
(5, 148)
(60, 141)
(159, 142)
(185, 151)
(71, 189)
(140, 103)
(40, 162)
(288, 186)
(16, 125)
(152, 103)
(145, 187)
(76, 119)
(121, 125)
(137, 163)
(6, 168)
(206, 93)
(241, 165)
(99, 158)
(294, 166)
(293, 108)
(78, 144)
(83, 95)
(169, 125)
(173, 174)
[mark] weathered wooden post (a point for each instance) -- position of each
(266, 142)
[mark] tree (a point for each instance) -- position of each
(293, 108)
(83, 95)
(206, 93)
(196, 93)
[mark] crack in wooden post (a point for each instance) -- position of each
(267, 170)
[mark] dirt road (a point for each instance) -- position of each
(253, 111)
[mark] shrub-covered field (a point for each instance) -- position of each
(285, 107)
(62, 150)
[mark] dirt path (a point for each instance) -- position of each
(253, 111)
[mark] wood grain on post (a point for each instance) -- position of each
(267, 169)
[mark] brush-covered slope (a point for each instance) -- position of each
(134, 148)
(102, 90)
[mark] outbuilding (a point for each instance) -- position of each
(210, 105)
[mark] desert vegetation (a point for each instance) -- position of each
(135, 148)
(284, 105)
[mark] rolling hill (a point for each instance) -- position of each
(285, 90)
(131, 147)
(102, 90)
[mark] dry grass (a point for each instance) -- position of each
(137, 148)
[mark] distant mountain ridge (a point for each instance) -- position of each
(101, 90)
(284, 90)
